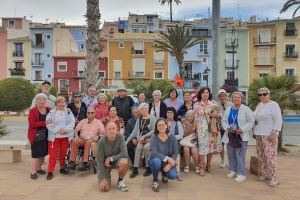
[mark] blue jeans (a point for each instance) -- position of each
(237, 158)
(156, 167)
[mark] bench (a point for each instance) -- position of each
(11, 150)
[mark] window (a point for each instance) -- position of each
(134, 30)
(138, 67)
(158, 74)
(264, 36)
(117, 75)
(38, 75)
(48, 37)
(290, 72)
(158, 58)
(264, 55)
(82, 32)
(261, 75)
(48, 55)
(38, 39)
(63, 86)
(230, 75)
(289, 50)
(121, 45)
(290, 29)
(117, 64)
(138, 48)
(82, 47)
(38, 59)
(62, 66)
(18, 49)
(19, 65)
(188, 70)
(229, 56)
(49, 76)
(204, 60)
(11, 23)
(203, 47)
(111, 30)
(101, 74)
(139, 74)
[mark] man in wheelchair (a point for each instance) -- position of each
(87, 134)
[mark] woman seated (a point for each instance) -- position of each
(112, 117)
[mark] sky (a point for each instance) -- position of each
(72, 11)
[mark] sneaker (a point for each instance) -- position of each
(273, 183)
(49, 176)
(122, 186)
(42, 172)
(179, 177)
(240, 178)
(63, 171)
(164, 179)
(186, 169)
(222, 165)
(84, 167)
(232, 174)
(197, 170)
(148, 172)
(34, 176)
(261, 178)
(134, 173)
(155, 186)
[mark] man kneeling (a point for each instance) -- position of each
(112, 153)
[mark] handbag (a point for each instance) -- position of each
(41, 134)
(188, 141)
(234, 139)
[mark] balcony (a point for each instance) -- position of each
(17, 72)
(18, 54)
(266, 62)
(291, 54)
(260, 42)
(138, 75)
(37, 44)
(138, 53)
(234, 82)
(229, 42)
(37, 63)
(290, 32)
(228, 63)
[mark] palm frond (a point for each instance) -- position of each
(288, 4)
(294, 13)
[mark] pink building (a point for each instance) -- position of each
(3, 53)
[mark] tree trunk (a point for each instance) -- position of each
(171, 14)
(92, 44)
(179, 59)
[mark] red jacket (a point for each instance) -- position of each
(34, 123)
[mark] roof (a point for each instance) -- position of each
(134, 36)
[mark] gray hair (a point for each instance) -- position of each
(40, 96)
(239, 93)
(264, 89)
(155, 92)
(143, 105)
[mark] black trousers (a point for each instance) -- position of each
(131, 151)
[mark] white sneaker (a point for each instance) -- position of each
(232, 174)
(186, 169)
(122, 186)
(240, 178)
(222, 165)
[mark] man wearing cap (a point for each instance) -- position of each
(123, 103)
(223, 104)
(91, 99)
(46, 90)
(196, 89)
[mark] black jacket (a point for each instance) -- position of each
(123, 106)
(162, 109)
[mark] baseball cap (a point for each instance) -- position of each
(46, 82)
(222, 91)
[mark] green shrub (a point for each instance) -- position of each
(16, 94)
(38, 89)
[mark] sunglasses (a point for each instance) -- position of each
(90, 112)
(262, 94)
(76, 96)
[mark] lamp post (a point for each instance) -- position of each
(234, 41)
(205, 75)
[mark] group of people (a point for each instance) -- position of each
(159, 135)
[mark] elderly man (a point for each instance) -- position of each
(91, 130)
(91, 99)
(223, 103)
(46, 85)
(112, 153)
(123, 103)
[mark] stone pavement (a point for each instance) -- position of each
(15, 184)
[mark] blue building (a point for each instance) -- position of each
(79, 34)
(197, 60)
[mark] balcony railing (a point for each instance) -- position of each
(18, 54)
(37, 63)
(234, 82)
(291, 32)
(264, 61)
(229, 42)
(261, 42)
(138, 53)
(138, 75)
(291, 54)
(17, 72)
(158, 63)
(228, 63)
(38, 44)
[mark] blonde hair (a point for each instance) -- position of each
(264, 89)
(60, 99)
(156, 92)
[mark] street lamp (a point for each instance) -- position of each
(234, 42)
(205, 75)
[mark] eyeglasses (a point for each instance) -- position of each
(262, 94)
(90, 112)
(76, 96)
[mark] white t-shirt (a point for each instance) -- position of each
(60, 120)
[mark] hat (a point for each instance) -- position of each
(76, 93)
(46, 82)
(196, 84)
(222, 91)
(121, 88)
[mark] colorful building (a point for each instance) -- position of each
(3, 53)
(132, 56)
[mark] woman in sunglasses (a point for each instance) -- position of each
(268, 123)
(77, 107)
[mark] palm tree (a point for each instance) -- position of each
(176, 41)
(282, 91)
(92, 44)
(170, 2)
(288, 4)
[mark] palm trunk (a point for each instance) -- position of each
(171, 14)
(92, 44)
(179, 59)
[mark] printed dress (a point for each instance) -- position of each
(206, 143)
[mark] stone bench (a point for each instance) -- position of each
(11, 150)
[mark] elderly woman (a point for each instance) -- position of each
(113, 117)
(60, 123)
(157, 108)
(267, 127)
(208, 142)
(189, 141)
(173, 100)
(164, 152)
(37, 134)
(77, 107)
(238, 121)
(187, 105)
(102, 107)
(140, 139)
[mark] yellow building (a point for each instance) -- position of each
(287, 48)
(132, 56)
(262, 49)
